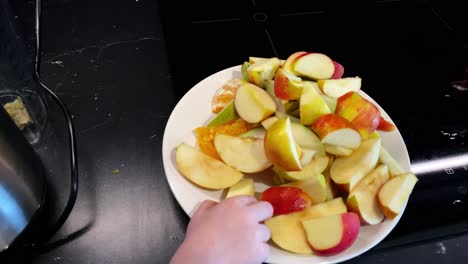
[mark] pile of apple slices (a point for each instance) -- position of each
(319, 136)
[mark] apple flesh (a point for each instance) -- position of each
(243, 154)
(339, 70)
(253, 60)
(281, 148)
(315, 187)
(287, 85)
(338, 150)
(338, 87)
(335, 130)
(363, 199)
(287, 66)
(331, 102)
(346, 172)
(332, 234)
(286, 199)
(263, 70)
(258, 132)
(314, 66)
(311, 105)
(243, 187)
(306, 139)
(253, 104)
(364, 115)
(385, 125)
(395, 193)
(204, 170)
(287, 231)
(386, 158)
(313, 169)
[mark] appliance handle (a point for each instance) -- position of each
(71, 136)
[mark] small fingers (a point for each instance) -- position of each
(242, 200)
(205, 205)
(263, 233)
(262, 211)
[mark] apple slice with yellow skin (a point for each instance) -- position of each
(287, 85)
(243, 154)
(204, 170)
(253, 104)
(315, 187)
(280, 147)
(287, 231)
(363, 199)
(363, 114)
(386, 158)
(333, 234)
(331, 188)
(338, 87)
(287, 66)
(263, 70)
(333, 129)
(312, 105)
(395, 193)
(253, 60)
(306, 139)
(339, 70)
(243, 187)
(346, 172)
(337, 150)
(306, 156)
(313, 65)
(314, 168)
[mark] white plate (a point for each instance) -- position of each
(194, 110)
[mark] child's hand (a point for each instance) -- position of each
(228, 232)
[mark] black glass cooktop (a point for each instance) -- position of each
(411, 55)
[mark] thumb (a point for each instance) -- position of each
(205, 205)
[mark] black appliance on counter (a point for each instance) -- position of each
(411, 55)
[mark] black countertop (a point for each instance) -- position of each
(108, 61)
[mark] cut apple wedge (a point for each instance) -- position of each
(338, 87)
(227, 114)
(243, 154)
(269, 121)
(392, 164)
(281, 148)
(312, 105)
(287, 231)
(243, 187)
(306, 156)
(363, 199)
(331, 188)
(339, 70)
(204, 170)
(338, 150)
(315, 187)
(307, 139)
(286, 199)
(313, 65)
(394, 194)
(263, 70)
(313, 169)
(253, 104)
(346, 172)
(253, 60)
(245, 75)
(386, 126)
(293, 119)
(270, 88)
(333, 234)
(287, 66)
(335, 130)
(258, 132)
(287, 85)
(331, 102)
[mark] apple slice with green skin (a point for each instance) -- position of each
(314, 168)
(363, 199)
(287, 231)
(286, 200)
(253, 60)
(363, 114)
(245, 75)
(312, 105)
(339, 70)
(227, 114)
(386, 126)
(333, 129)
(312, 65)
(346, 172)
(287, 66)
(270, 88)
(332, 234)
(392, 164)
(280, 147)
(338, 87)
(331, 102)
(263, 70)
(258, 132)
(243, 154)
(338, 150)
(253, 104)
(315, 187)
(204, 170)
(395, 193)
(287, 85)
(243, 187)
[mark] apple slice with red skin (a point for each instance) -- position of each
(335, 130)
(287, 85)
(332, 234)
(287, 65)
(286, 200)
(384, 125)
(339, 70)
(314, 66)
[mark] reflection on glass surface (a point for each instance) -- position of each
(440, 164)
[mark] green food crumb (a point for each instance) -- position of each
(116, 171)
